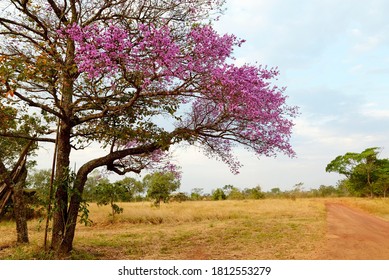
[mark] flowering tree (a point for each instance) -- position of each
(109, 70)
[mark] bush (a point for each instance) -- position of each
(218, 194)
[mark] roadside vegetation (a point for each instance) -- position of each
(152, 219)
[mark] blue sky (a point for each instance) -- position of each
(334, 60)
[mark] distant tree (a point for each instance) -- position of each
(275, 190)
(297, 191)
(160, 185)
(255, 193)
(218, 194)
(108, 194)
(227, 189)
(361, 169)
(91, 184)
(39, 181)
(345, 188)
(235, 194)
(196, 193)
(382, 172)
(326, 191)
(133, 188)
(179, 197)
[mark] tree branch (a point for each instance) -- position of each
(27, 137)
(59, 13)
(33, 103)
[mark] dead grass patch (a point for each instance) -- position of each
(251, 229)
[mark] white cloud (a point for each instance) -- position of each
(380, 114)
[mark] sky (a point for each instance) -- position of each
(333, 58)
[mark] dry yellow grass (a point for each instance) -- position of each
(252, 229)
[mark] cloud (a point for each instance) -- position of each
(295, 34)
(373, 111)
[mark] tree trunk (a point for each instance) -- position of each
(74, 206)
(63, 243)
(60, 215)
(20, 211)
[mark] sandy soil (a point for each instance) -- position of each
(355, 235)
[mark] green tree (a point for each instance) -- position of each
(39, 181)
(361, 169)
(218, 194)
(133, 189)
(108, 193)
(382, 172)
(326, 191)
(235, 194)
(255, 193)
(275, 191)
(160, 185)
(179, 197)
(197, 193)
(344, 188)
(91, 184)
(227, 189)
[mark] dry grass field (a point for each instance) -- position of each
(218, 230)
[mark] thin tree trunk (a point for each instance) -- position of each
(20, 211)
(15, 181)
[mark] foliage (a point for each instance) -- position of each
(91, 184)
(160, 185)
(134, 189)
(235, 194)
(197, 194)
(366, 173)
(327, 191)
(178, 197)
(254, 193)
(39, 181)
(218, 194)
(108, 193)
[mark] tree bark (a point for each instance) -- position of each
(60, 215)
(75, 201)
(20, 209)
(60, 210)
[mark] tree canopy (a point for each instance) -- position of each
(108, 71)
(365, 172)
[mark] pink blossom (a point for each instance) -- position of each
(230, 105)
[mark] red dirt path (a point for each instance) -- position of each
(355, 235)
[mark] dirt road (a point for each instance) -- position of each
(355, 235)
